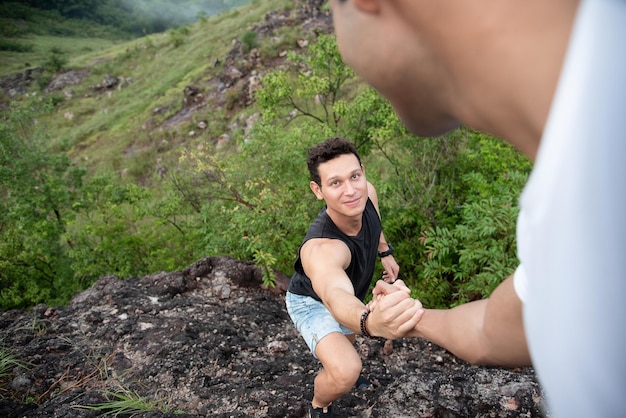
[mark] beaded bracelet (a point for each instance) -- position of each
(364, 315)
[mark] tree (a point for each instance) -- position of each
(314, 91)
(38, 187)
(321, 88)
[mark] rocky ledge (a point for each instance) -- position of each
(211, 341)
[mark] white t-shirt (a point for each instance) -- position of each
(571, 232)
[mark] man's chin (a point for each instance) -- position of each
(427, 125)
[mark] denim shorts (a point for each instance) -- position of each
(312, 320)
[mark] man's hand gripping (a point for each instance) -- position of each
(393, 312)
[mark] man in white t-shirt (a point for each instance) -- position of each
(550, 78)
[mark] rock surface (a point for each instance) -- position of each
(210, 341)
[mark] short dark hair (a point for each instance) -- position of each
(326, 151)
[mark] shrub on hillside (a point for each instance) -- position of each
(249, 41)
(14, 46)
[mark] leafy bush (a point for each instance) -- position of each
(59, 233)
(8, 45)
(249, 41)
(38, 188)
(314, 94)
(55, 62)
(419, 190)
(123, 229)
(466, 261)
(255, 204)
(178, 36)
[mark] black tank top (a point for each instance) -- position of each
(363, 249)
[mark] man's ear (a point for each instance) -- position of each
(367, 6)
(317, 191)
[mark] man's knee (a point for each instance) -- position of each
(346, 373)
(340, 360)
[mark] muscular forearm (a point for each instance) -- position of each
(346, 309)
(459, 330)
(488, 331)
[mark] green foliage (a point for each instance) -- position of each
(8, 45)
(369, 121)
(15, 10)
(56, 62)
(249, 41)
(107, 242)
(323, 93)
(122, 229)
(314, 93)
(137, 18)
(466, 261)
(255, 209)
(38, 188)
(20, 19)
(58, 234)
(177, 36)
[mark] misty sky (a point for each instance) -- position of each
(182, 11)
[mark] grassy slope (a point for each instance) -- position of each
(39, 32)
(42, 45)
(108, 130)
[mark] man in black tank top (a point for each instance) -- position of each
(334, 268)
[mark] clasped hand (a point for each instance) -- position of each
(394, 314)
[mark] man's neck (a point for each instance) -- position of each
(349, 225)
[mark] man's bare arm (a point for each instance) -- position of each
(488, 331)
(324, 261)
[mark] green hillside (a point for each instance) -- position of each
(100, 124)
(31, 30)
(131, 157)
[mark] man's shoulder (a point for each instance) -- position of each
(324, 244)
(329, 251)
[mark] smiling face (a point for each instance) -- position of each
(343, 187)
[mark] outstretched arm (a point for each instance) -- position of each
(488, 331)
(324, 261)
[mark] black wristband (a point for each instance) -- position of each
(386, 253)
(364, 315)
